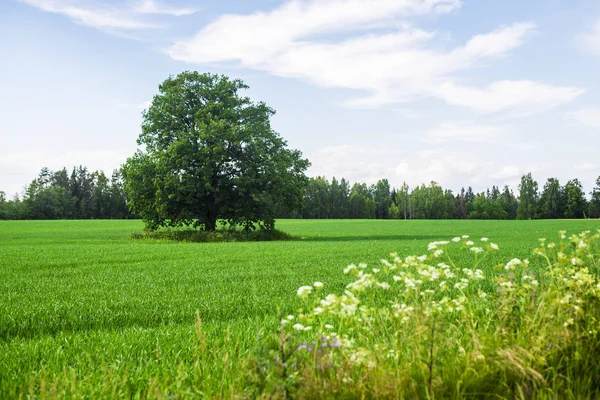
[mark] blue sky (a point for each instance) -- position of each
(463, 92)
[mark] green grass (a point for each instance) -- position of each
(80, 301)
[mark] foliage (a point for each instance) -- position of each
(211, 153)
(56, 195)
(528, 197)
(219, 235)
(429, 327)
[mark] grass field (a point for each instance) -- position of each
(81, 302)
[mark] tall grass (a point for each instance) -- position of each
(437, 326)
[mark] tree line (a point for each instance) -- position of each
(59, 195)
(92, 195)
(340, 199)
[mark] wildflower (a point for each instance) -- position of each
(456, 239)
(484, 239)
(307, 328)
(376, 270)
(482, 294)
(284, 321)
(512, 263)
(318, 310)
(470, 243)
(384, 285)
(535, 282)
(318, 285)
(476, 250)
(298, 327)
(304, 291)
(290, 317)
(349, 269)
(422, 258)
(328, 326)
(438, 253)
(465, 236)
(494, 246)
(570, 321)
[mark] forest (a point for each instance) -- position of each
(85, 194)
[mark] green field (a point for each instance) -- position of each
(82, 302)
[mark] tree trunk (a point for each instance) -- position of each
(211, 213)
(211, 206)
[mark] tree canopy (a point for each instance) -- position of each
(211, 154)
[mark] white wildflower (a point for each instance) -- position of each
(304, 291)
(298, 327)
(456, 239)
(349, 268)
(476, 250)
(469, 243)
(512, 263)
(318, 285)
(465, 236)
(494, 246)
(484, 239)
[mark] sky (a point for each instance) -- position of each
(461, 92)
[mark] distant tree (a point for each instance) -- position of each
(469, 199)
(576, 204)
(3, 206)
(317, 202)
(552, 200)
(595, 200)
(461, 206)
(402, 200)
(362, 204)
(528, 197)
(211, 153)
(383, 198)
(485, 207)
(394, 211)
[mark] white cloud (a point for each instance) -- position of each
(107, 16)
(452, 131)
(591, 40)
(507, 172)
(519, 98)
(586, 167)
(452, 169)
(100, 17)
(392, 65)
(151, 7)
(144, 105)
(588, 116)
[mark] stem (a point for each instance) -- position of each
(431, 358)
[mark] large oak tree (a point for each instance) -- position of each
(210, 153)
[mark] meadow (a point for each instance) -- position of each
(88, 312)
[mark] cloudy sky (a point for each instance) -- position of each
(463, 92)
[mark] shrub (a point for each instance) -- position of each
(223, 235)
